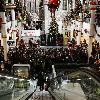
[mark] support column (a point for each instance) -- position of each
(79, 38)
(73, 4)
(13, 23)
(35, 6)
(4, 34)
(80, 29)
(71, 34)
(20, 29)
(81, 24)
(72, 29)
(47, 16)
(53, 71)
(90, 45)
(92, 30)
(67, 6)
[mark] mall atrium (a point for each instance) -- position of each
(49, 49)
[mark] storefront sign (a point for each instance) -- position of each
(30, 33)
(92, 5)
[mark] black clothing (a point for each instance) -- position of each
(41, 81)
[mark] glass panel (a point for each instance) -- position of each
(77, 85)
(6, 85)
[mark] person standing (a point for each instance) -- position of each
(41, 81)
(30, 43)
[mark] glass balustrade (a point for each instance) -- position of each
(76, 86)
(6, 85)
(15, 87)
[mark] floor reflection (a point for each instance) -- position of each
(12, 95)
(17, 92)
(7, 97)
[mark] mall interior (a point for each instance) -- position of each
(49, 49)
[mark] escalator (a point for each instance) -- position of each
(15, 88)
(69, 84)
(76, 84)
(42, 95)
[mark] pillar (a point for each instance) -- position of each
(47, 16)
(13, 23)
(72, 29)
(92, 30)
(80, 24)
(90, 45)
(71, 34)
(73, 4)
(79, 38)
(80, 28)
(35, 5)
(20, 29)
(67, 6)
(53, 71)
(4, 34)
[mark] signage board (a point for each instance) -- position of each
(30, 33)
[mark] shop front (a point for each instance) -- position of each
(33, 35)
(86, 32)
(11, 38)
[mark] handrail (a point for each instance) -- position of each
(88, 68)
(89, 72)
(74, 65)
(57, 97)
(26, 96)
(93, 74)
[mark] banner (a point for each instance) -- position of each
(30, 33)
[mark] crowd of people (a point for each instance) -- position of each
(43, 57)
(39, 57)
